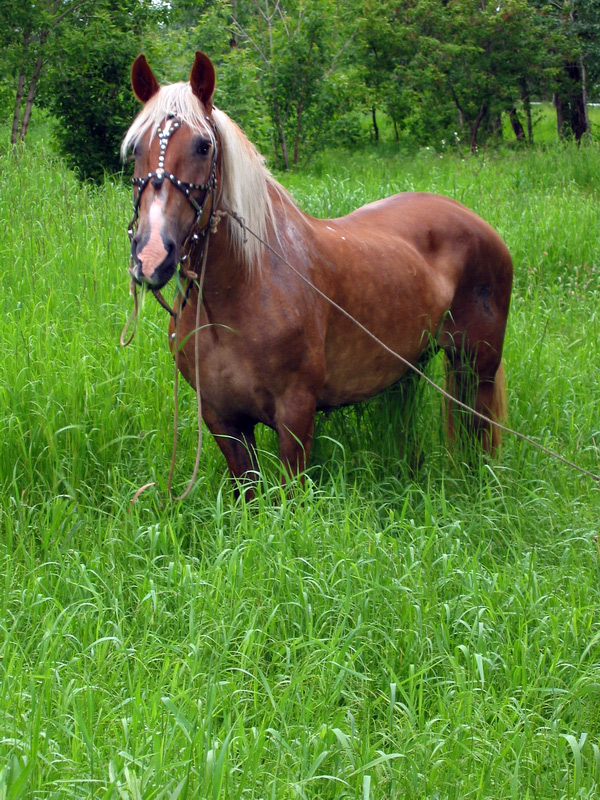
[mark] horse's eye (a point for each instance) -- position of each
(203, 148)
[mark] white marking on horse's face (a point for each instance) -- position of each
(153, 253)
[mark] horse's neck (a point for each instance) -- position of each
(227, 276)
(228, 271)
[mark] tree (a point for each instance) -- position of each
(88, 88)
(501, 46)
(25, 46)
(298, 46)
(385, 45)
(577, 22)
(444, 66)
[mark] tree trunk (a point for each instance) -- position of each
(475, 126)
(20, 90)
(298, 132)
(495, 126)
(31, 97)
(560, 116)
(525, 97)
(281, 133)
(516, 125)
(584, 94)
(17, 113)
(375, 126)
(284, 151)
(570, 103)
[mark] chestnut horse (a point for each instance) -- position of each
(420, 271)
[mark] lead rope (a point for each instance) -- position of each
(197, 381)
(405, 361)
(132, 319)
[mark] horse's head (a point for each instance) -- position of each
(174, 144)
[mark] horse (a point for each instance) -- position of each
(270, 334)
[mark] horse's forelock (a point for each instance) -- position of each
(176, 99)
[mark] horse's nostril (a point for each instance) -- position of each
(171, 248)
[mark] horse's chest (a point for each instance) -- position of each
(227, 375)
(243, 369)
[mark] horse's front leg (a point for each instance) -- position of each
(238, 445)
(295, 423)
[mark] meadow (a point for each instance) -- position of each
(408, 625)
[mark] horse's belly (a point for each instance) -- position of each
(364, 369)
(358, 387)
(405, 318)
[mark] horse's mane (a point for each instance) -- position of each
(245, 179)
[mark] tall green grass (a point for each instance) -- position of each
(405, 626)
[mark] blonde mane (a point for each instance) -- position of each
(245, 180)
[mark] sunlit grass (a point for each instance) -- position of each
(405, 625)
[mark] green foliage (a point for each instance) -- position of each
(23, 32)
(87, 86)
(300, 76)
(445, 67)
(576, 26)
(297, 46)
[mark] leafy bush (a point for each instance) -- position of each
(88, 90)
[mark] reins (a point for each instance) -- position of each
(197, 232)
(192, 480)
(175, 312)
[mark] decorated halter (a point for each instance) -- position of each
(158, 176)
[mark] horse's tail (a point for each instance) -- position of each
(499, 410)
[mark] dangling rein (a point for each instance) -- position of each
(216, 217)
(197, 230)
(126, 338)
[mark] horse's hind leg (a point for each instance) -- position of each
(472, 337)
(476, 378)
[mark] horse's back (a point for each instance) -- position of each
(445, 238)
(430, 222)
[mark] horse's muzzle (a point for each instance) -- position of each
(146, 272)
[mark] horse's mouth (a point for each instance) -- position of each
(157, 279)
(154, 260)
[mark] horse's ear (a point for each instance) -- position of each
(202, 79)
(143, 81)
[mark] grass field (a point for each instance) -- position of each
(406, 626)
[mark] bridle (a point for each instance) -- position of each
(198, 229)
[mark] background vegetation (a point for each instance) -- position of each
(439, 69)
(406, 626)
